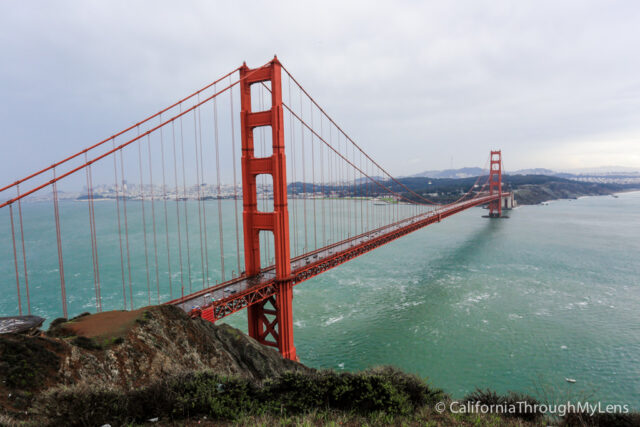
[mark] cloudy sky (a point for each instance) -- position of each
(420, 85)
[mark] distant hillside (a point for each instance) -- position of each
(528, 189)
(451, 173)
(604, 171)
(535, 171)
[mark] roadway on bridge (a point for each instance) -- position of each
(229, 290)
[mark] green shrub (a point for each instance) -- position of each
(213, 395)
(384, 390)
(509, 400)
(381, 389)
(609, 420)
(82, 406)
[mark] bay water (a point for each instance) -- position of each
(521, 303)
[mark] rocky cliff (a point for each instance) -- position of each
(127, 349)
(532, 194)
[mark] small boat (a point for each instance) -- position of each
(570, 380)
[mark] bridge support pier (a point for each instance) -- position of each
(271, 320)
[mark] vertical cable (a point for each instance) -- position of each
(95, 237)
(91, 234)
(330, 157)
(204, 205)
(144, 220)
(324, 230)
(184, 188)
(235, 181)
(125, 196)
(199, 191)
(293, 177)
(215, 123)
(344, 223)
(24, 252)
(56, 213)
(177, 192)
(153, 217)
(354, 192)
(15, 259)
(360, 183)
(115, 177)
(164, 204)
(304, 177)
(313, 180)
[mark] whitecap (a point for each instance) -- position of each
(333, 320)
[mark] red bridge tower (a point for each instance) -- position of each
(495, 183)
(270, 321)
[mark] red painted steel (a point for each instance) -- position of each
(270, 319)
(495, 183)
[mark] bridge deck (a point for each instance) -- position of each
(239, 293)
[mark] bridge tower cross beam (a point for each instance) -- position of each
(495, 183)
(270, 321)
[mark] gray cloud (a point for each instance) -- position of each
(554, 84)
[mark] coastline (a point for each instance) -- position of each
(537, 194)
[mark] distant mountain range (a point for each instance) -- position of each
(474, 171)
(451, 173)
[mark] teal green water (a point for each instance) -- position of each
(511, 304)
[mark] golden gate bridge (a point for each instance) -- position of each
(301, 197)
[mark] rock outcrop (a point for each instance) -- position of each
(127, 349)
(532, 194)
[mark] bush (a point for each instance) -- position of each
(83, 406)
(383, 390)
(510, 400)
(609, 420)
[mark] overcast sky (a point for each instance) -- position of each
(420, 85)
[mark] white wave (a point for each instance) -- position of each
(333, 320)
